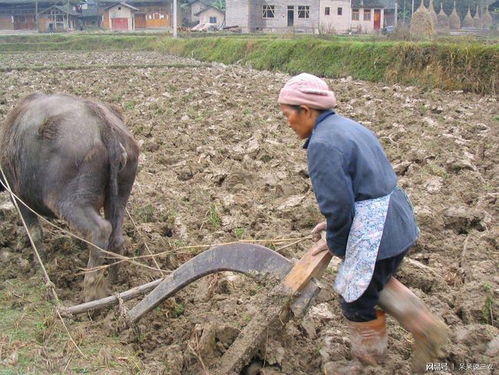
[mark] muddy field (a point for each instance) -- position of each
(219, 164)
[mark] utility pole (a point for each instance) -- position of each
(403, 11)
(174, 18)
(36, 16)
(350, 20)
(412, 8)
(396, 13)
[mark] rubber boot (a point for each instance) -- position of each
(369, 339)
(429, 333)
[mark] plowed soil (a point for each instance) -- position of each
(219, 164)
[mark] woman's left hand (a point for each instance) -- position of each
(316, 232)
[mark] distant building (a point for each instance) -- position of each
(211, 16)
(21, 14)
(273, 16)
(90, 14)
(110, 14)
(311, 16)
(119, 17)
(137, 14)
(198, 11)
(58, 18)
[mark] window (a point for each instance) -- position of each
(355, 14)
(327, 11)
(367, 14)
(340, 11)
(268, 11)
(213, 19)
(303, 11)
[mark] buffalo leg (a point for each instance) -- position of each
(126, 178)
(34, 229)
(96, 230)
(116, 238)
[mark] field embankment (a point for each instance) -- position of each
(467, 66)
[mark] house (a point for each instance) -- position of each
(110, 14)
(90, 14)
(335, 16)
(372, 15)
(311, 16)
(211, 16)
(139, 15)
(360, 16)
(273, 16)
(21, 14)
(58, 18)
(200, 11)
(119, 17)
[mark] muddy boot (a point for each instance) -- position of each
(369, 340)
(430, 333)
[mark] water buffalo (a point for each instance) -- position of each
(68, 157)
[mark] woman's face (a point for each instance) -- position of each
(301, 120)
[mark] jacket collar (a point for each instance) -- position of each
(320, 118)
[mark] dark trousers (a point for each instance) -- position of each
(363, 309)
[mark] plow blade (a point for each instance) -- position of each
(252, 260)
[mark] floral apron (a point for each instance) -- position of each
(356, 270)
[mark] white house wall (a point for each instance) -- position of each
(334, 23)
(280, 21)
(367, 26)
(210, 12)
(237, 13)
(248, 15)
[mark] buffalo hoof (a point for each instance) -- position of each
(95, 287)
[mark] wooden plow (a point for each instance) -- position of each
(294, 292)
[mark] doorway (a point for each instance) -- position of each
(377, 19)
(291, 15)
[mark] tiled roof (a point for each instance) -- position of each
(205, 2)
(370, 4)
(62, 8)
(121, 3)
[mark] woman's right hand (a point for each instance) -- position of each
(320, 247)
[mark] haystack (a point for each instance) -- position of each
(421, 22)
(477, 23)
(468, 20)
(433, 14)
(454, 20)
(442, 20)
(486, 19)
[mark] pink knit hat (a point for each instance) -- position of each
(307, 89)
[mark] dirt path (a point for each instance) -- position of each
(218, 164)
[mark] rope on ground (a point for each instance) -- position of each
(295, 240)
(145, 243)
(110, 253)
(48, 283)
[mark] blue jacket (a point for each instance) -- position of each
(346, 164)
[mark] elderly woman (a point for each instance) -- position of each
(369, 222)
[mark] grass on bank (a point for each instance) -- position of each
(467, 66)
(34, 341)
(463, 65)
